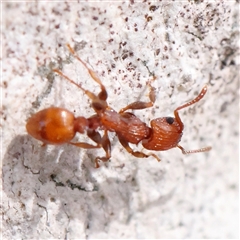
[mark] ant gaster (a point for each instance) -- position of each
(165, 133)
(56, 126)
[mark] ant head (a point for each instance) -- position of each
(166, 125)
(166, 134)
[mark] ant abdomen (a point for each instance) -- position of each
(166, 134)
(52, 125)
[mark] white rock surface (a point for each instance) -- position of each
(55, 192)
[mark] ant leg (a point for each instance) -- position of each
(137, 154)
(103, 94)
(103, 142)
(205, 149)
(84, 145)
(142, 105)
(97, 103)
(88, 93)
(95, 136)
(106, 145)
(198, 98)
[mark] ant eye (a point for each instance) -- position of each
(170, 120)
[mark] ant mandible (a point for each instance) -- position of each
(165, 133)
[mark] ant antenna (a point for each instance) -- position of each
(205, 149)
(198, 98)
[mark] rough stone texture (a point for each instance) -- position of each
(55, 192)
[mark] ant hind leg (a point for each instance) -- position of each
(103, 142)
(95, 136)
(84, 145)
(103, 94)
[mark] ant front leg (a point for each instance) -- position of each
(142, 105)
(137, 154)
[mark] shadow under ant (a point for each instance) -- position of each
(33, 175)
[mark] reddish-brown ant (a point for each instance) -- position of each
(165, 133)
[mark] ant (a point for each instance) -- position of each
(165, 133)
